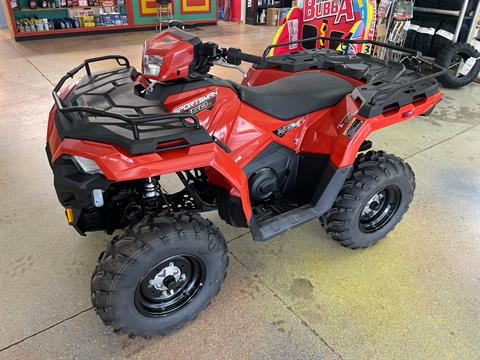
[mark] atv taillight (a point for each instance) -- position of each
(172, 144)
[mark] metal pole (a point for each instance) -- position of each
(473, 26)
(387, 32)
(461, 17)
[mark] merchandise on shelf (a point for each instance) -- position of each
(64, 16)
(62, 4)
(32, 24)
(87, 21)
(101, 13)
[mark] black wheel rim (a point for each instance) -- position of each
(170, 285)
(380, 209)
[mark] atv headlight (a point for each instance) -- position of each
(86, 165)
(152, 64)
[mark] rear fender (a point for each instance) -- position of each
(353, 134)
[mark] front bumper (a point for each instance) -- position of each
(74, 191)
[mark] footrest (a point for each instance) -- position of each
(281, 223)
(330, 184)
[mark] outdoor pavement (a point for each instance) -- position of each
(415, 295)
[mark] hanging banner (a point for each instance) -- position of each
(342, 19)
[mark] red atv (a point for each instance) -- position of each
(287, 146)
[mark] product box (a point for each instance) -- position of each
(87, 21)
(108, 19)
(273, 15)
(85, 12)
(117, 19)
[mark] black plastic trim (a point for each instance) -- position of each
(230, 209)
(184, 35)
(74, 190)
(221, 144)
(328, 188)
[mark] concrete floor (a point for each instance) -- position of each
(300, 296)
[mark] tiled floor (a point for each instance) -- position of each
(414, 295)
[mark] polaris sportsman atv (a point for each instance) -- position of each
(287, 146)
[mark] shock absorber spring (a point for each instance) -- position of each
(154, 198)
(152, 189)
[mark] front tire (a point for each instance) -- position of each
(372, 200)
(159, 274)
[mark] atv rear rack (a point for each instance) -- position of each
(388, 84)
(116, 90)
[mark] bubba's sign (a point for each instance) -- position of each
(336, 19)
(342, 10)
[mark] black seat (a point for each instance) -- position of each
(296, 95)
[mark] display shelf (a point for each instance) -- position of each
(439, 11)
(139, 13)
(39, 9)
(63, 8)
(74, 30)
(460, 15)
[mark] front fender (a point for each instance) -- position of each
(117, 165)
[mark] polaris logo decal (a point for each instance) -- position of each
(204, 102)
(280, 132)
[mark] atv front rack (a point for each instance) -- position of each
(120, 106)
(387, 84)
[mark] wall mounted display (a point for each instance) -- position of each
(30, 19)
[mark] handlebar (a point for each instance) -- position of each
(254, 59)
(235, 56)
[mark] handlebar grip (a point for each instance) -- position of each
(254, 59)
(235, 56)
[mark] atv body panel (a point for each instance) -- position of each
(275, 155)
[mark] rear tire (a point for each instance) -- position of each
(159, 274)
(372, 200)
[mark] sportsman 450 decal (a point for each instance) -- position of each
(280, 132)
(204, 102)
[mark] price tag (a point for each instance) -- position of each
(469, 64)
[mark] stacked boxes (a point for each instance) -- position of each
(87, 21)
